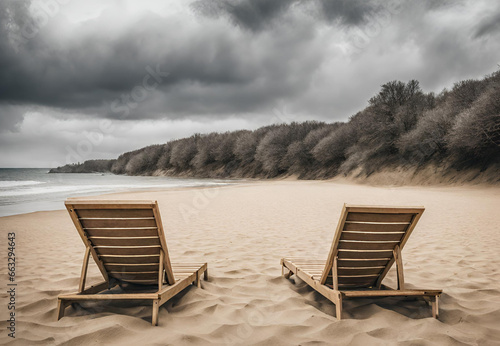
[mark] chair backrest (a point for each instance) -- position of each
(126, 238)
(364, 242)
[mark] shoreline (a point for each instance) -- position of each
(251, 181)
(19, 207)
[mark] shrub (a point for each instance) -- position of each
(183, 151)
(475, 137)
(332, 149)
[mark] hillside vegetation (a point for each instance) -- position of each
(402, 128)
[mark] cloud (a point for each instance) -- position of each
(257, 15)
(47, 140)
(102, 66)
(202, 68)
(348, 12)
(11, 116)
(253, 15)
(490, 26)
(211, 62)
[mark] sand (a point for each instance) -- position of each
(242, 231)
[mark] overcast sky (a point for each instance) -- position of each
(84, 79)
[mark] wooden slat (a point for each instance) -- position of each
(362, 245)
(364, 254)
(121, 241)
(359, 270)
(375, 227)
(117, 223)
(305, 266)
(122, 232)
(180, 276)
(114, 213)
(135, 276)
(378, 217)
(127, 251)
(94, 289)
(372, 236)
(130, 268)
(147, 282)
(382, 209)
(108, 204)
(188, 264)
(362, 263)
(184, 274)
(127, 296)
(130, 259)
(306, 262)
(314, 273)
(355, 287)
(367, 280)
(391, 293)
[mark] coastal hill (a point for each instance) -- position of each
(404, 133)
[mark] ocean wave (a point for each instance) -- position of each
(79, 189)
(15, 183)
(43, 190)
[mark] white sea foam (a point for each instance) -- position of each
(15, 183)
(96, 188)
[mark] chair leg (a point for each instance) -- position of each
(205, 275)
(289, 274)
(198, 279)
(435, 307)
(156, 308)
(61, 305)
(338, 307)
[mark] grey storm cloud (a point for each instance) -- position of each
(273, 51)
(256, 15)
(489, 26)
(200, 71)
(253, 15)
(11, 117)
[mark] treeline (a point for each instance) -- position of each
(89, 166)
(401, 127)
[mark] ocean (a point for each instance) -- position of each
(25, 190)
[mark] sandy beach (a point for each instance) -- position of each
(242, 231)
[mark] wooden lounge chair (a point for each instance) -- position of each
(127, 242)
(367, 242)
